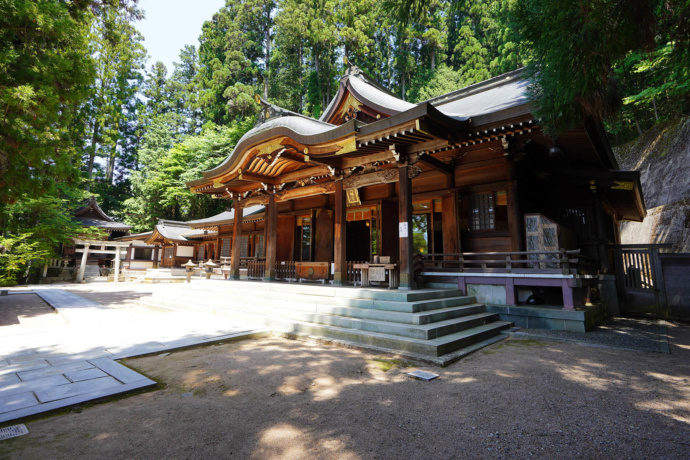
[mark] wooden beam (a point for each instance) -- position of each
(374, 178)
(307, 190)
(389, 134)
(428, 146)
(366, 159)
(443, 167)
(256, 178)
(436, 164)
(333, 162)
(303, 174)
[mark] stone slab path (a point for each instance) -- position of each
(47, 368)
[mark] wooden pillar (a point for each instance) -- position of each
(340, 236)
(405, 229)
(515, 220)
(602, 240)
(117, 264)
(155, 256)
(449, 224)
(271, 239)
(82, 267)
(236, 242)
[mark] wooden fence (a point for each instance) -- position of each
(285, 270)
(640, 279)
(256, 268)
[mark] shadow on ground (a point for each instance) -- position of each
(275, 398)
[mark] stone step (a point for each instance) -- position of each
(428, 349)
(258, 295)
(445, 308)
(333, 316)
(259, 288)
(441, 314)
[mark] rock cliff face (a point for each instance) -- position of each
(662, 155)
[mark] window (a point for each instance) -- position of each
(201, 253)
(142, 254)
(484, 211)
(225, 249)
(244, 248)
(482, 215)
(168, 252)
(259, 245)
(303, 239)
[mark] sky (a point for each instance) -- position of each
(171, 24)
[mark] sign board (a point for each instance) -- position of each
(402, 228)
(377, 274)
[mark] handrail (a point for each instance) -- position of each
(565, 262)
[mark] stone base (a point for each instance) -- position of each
(550, 318)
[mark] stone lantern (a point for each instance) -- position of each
(209, 268)
(189, 268)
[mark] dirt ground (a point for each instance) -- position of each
(275, 398)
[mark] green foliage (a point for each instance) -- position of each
(33, 228)
(45, 72)
(111, 111)
(15, 256)
(168, 161)
(583, 56)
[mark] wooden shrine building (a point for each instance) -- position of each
(455, 189)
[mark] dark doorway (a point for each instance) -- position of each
(358, 240)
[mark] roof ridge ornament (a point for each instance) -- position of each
(353, 70)
(268, 111)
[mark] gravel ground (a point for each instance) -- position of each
(275, 398)
(622, 333)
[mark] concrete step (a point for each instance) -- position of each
(401, 317)
(403, 324)
(259, 288)
(212, 292)
(444, 308)
(428, 349)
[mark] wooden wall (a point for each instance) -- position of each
(286, 238)
(323, 236)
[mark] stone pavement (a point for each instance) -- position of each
(48, 368)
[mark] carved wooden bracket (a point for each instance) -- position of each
(379, 177)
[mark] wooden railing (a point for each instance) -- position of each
(354, 275)
(256, 268)
(285, 270)
(565, 262)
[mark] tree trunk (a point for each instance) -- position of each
(656, 114)
(639, 130)
(433, 58)
(268, 60)
(92, 155)
(318, 76)
(299, 60)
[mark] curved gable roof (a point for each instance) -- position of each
(367, 92)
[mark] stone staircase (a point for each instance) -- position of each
(434, 325)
